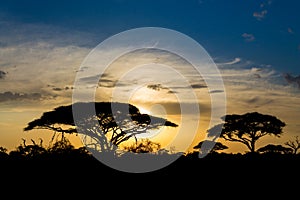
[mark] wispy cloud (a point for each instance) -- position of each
(37, 56)
(215, 91)
(2, 74)
(236, 60)
(248, 37)
(9, 96)
(292, 79)
(260, 15)
(58, 89)
(198, 86)
(290, 30)
(156, 87)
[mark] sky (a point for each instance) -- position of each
(254, 43)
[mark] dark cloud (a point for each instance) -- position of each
(69, 88)
(256, 76)
(90, 79)
(292, 80)
(216, 91)
(104, 80)
(57, 89)
(60, 88)
(82, 69)
(198, 85)
(2, 74)
(156, 87)
(171, 92)
(10, 96)
(259, 101)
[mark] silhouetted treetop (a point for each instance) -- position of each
(118, 121)
(273, 148)
(217, 146)
(144, 146)
(294, 144)
(248, 128)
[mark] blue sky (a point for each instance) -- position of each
(265, 32)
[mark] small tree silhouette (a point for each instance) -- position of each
(218, 146)
(3, 153)
(248, 128)
(272, 148)
(61, 147)
(143, 146)
(30, 151)
(3, 150)
(294, 144)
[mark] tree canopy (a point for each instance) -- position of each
(273, 148)
(217, 146)
(112, 123)
(248, 128)
(294, 144)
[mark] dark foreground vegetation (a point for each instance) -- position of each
(73, 171)
(62, 158)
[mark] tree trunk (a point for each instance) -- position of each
(252, 146)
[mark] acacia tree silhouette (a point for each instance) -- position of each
(247, 128)
(273, 148)
(217, 146)
(294, 144)
(106, 129)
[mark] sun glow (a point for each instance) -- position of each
(144, 111)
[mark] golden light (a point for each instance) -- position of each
(144, 111)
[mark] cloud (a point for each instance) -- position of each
(198, 85)
(259, 101)
(260, 15)
(172, 92)
(292, 80)
(236, 60)
(57, 89)
(290, 30)
(105, 81)
(216, 91)
(109, 83)
(248, 37)
(10, 96)
(90, 79)
(2, 74)
(156, 87)
(34, 56)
